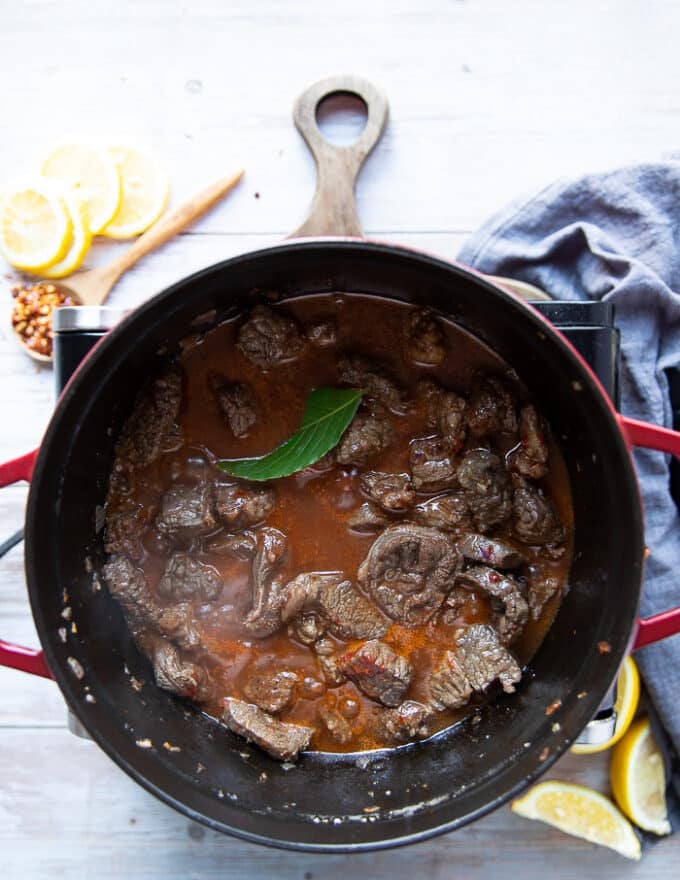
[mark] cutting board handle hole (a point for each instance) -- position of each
(341, 118)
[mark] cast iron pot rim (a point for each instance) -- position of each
(65, 678)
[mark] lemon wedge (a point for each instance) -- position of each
(35, 226)
(627, 699)
(581, 812)
(81, 239)
(145, 192)
(92, 173)
(638, 781)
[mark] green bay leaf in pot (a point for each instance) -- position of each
(328, 412)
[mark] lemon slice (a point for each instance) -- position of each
(35, 226)
(580, 812)
(80, 240)
(94, 176)
(627, 699)
(638, 781)
(145, 192)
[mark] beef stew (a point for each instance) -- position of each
(374, 597)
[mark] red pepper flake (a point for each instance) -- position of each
(371, 809)
(32, 314)
(494, 577)
(604, 647)
(544, 754)
(553, 707)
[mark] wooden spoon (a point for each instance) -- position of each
(91, 288)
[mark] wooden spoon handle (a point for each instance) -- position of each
(169, 225)
(333, 210)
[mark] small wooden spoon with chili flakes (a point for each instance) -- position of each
(32, 312)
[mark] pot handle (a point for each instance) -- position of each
(18, 469)
(333, 210)
(16, 656)
(666, 623)
(650, 436)
(657, 627)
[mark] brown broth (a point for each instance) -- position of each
(312, 508)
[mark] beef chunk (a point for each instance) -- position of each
(497, 554)
(445, 412)
(129, 586)
(236, 403)
(542, 588)
(359, 372)
(453, 605)
(335, 724)
(478, 660)
(174, 674)
(330, 667)
(280, 740)
(307, 628)
(177, 622)
(432, 468)
(241, 546)
(272, 691)
(186, 578)
(269, 337)
(240, 507)
(325, 463)
(530, 457)
(449, 513)
(430, 393)
(553, 551)
(368, 434)
(393, 492)
(378, 671)
(124, 527)
(127, 583)
(484, 659)
(264, 618)
(408, 570)
(449, 685)
(368, 518)
(487, 488)
(534, 518)
(187, 511)
(152, 427)
(424, 338)
(321, 333)
(409, 721)
(451, 420)
(491, 408)
(324, 647)
(505, 590)
(344, 611)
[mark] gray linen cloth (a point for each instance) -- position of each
(616, 236)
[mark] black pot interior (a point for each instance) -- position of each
(330, 802)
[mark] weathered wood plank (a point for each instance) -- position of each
(485, 102)
(68, 808)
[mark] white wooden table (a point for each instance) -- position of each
(488, 99)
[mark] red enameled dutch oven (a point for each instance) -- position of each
(334, 802)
